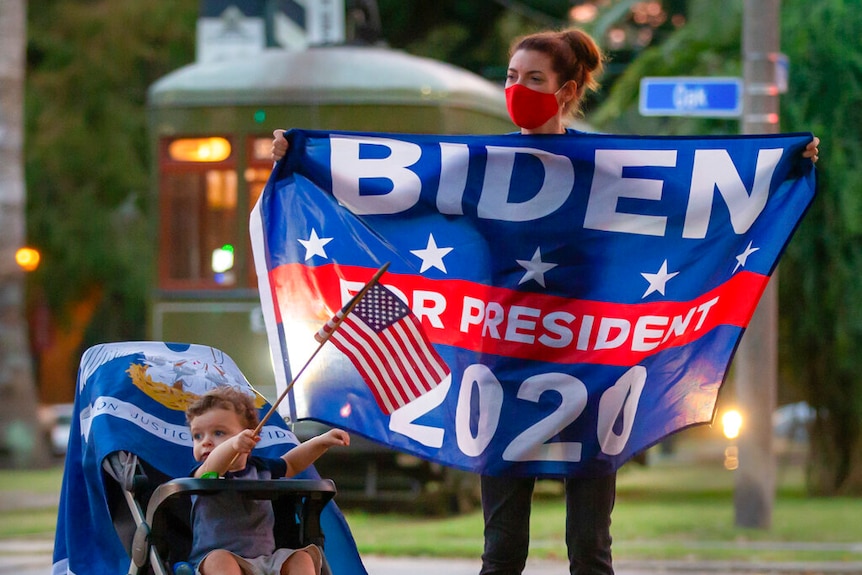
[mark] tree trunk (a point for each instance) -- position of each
(22, 442)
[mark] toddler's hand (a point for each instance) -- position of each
(245, 441)
(335, 437)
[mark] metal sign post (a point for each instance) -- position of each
(755, 368)
(756, 363)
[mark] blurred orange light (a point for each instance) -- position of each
(27, 258)
(731, 423)
(583, 13)
(199, 149)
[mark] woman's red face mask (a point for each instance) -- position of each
(530, 108)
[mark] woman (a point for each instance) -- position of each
(548, 75)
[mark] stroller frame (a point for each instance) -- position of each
(155, 524)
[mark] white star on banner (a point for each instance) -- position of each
(658, 280)
(743, 257)
(536, 268)
(314, 245)
(431, 255)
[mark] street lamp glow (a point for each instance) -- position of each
(28, 259)
(731, 422)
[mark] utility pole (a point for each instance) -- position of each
(756, 364)
(21, 442)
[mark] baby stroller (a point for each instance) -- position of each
(125, 501)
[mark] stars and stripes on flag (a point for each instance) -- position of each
(387, 344)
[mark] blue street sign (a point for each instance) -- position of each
(681, 96)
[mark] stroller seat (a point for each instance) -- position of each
(125, 504)
(155, 526)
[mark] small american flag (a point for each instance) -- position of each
(387, 344)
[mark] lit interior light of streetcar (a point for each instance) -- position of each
(199, 150)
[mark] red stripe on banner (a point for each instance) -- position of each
(493, 320)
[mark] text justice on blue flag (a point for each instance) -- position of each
(586, 293)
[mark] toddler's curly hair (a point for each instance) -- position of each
(229, 398)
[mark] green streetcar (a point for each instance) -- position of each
(211, 127)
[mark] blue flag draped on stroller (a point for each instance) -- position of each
(131, 397)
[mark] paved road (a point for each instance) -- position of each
(28, 557)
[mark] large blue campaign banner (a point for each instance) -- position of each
(586, 292)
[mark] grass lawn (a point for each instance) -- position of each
(23, 511)
(674, 508)
(669, 510)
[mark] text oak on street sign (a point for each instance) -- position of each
(691, 96)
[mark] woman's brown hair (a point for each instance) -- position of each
(574, 54)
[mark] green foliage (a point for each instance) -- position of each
(472, 35)
(820, 287)
(708, 45)
(448, 30)
(87, 162)
(820, 291)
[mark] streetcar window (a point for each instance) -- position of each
(199, 227)
(256, 178)
(261, 150)
(199, 195)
